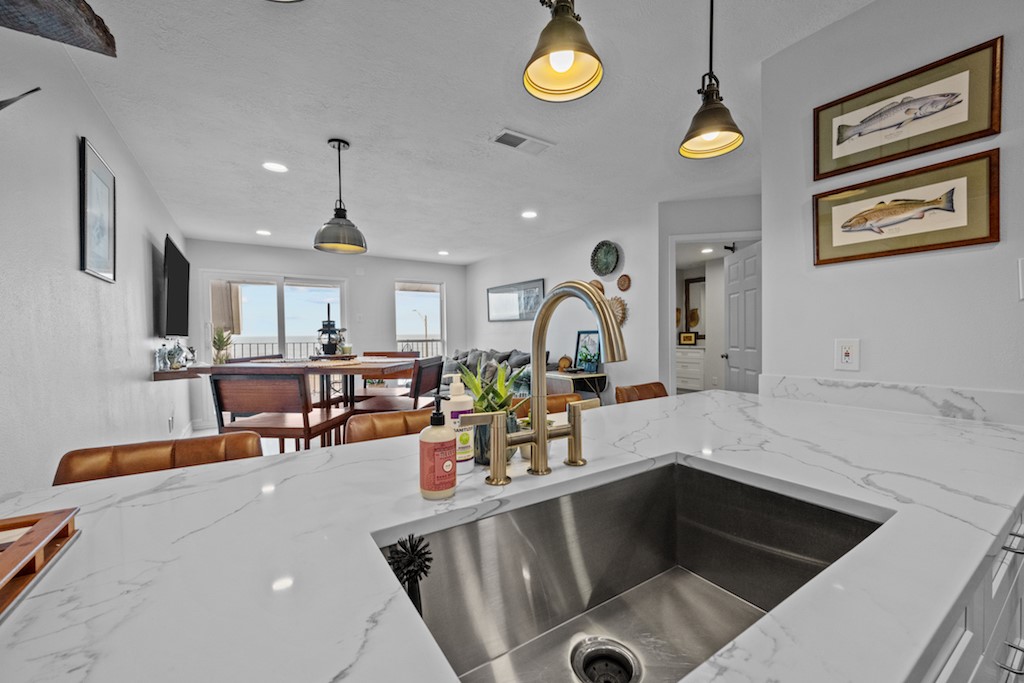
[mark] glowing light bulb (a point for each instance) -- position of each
(709, 136)
(562, 60)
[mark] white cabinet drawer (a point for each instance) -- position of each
(691, 384)
(690, 354)
(961, 649)
(1002, 575)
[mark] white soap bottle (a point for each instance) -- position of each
(459, 404)
(437, 457)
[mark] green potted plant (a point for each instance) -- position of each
(491, 397)
(589, 359)
(221, 346)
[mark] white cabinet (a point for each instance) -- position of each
(690, 368)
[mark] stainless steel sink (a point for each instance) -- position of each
(671, 564)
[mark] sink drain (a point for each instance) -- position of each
(603, 660)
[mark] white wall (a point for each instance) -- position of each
(949, 317)
(559, 260)
(729, 218)
(77, 351)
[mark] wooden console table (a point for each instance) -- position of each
(592, 382)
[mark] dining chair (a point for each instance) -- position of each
(639, 392)
(368, 426)
(556, 404)
(426, 379)
(372, 390)
(86, 464)
(277, 407)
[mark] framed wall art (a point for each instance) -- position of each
(518, 301)
(952, 204)
(944, 103)
(588, 346)
(98, 215)
(687, 338)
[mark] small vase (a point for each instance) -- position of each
(590, 367)
(482, 441)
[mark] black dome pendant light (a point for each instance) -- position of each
(564, 65)
(340, 235)
(712, 132)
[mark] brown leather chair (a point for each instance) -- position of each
(639, 392)
(556, 404)
(400, 423)
(386, 425)
(426, 379)
(277, 407)
(114, 461)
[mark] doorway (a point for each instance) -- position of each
(703, 321)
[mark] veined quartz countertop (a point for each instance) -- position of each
(173, 576)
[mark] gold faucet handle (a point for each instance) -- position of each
(575, 411)
(499, 443)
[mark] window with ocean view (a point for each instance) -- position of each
(419, 317)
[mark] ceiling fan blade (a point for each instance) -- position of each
(9, 102)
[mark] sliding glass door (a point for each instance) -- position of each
(272, 315)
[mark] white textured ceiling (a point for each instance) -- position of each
(204, 92)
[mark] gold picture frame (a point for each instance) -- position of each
(687, 338)
(951, 204)
(952, 100)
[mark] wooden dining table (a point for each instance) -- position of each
(370, 367)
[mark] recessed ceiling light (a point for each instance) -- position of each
(706, 251)
(273, 166)
(529, 214)
(265, 233)
(283, 584)
(442, 253)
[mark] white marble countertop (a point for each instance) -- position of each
(172, 578)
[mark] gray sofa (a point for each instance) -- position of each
(490, 360)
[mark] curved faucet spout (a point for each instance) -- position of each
(613, 348)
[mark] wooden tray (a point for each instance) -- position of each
(25, 558)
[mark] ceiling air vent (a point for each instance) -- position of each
(521, 142)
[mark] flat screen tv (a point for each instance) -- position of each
(175, 291)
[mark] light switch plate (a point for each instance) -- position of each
(1020, 277)
(847, 355)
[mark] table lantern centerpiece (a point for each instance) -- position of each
(330, 336)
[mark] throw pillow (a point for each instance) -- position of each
(473, 359)
(518, 359)
(490, 370)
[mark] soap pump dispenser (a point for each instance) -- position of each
(437, 456)
(459, 404)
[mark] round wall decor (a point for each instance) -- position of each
(604, 258)
(624, 282)
(598, 285)
(619, 308)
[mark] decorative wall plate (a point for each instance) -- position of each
(624, 282)
(619, 308)
(598, 284)
(604, 258)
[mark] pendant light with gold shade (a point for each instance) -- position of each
(564, 66)
(340, 235)
(712, 132)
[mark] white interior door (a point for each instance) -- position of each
(743, 319)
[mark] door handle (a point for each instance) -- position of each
(725, 356)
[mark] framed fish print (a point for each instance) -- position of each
(952, 204)
(943, 103)
(98, 214)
